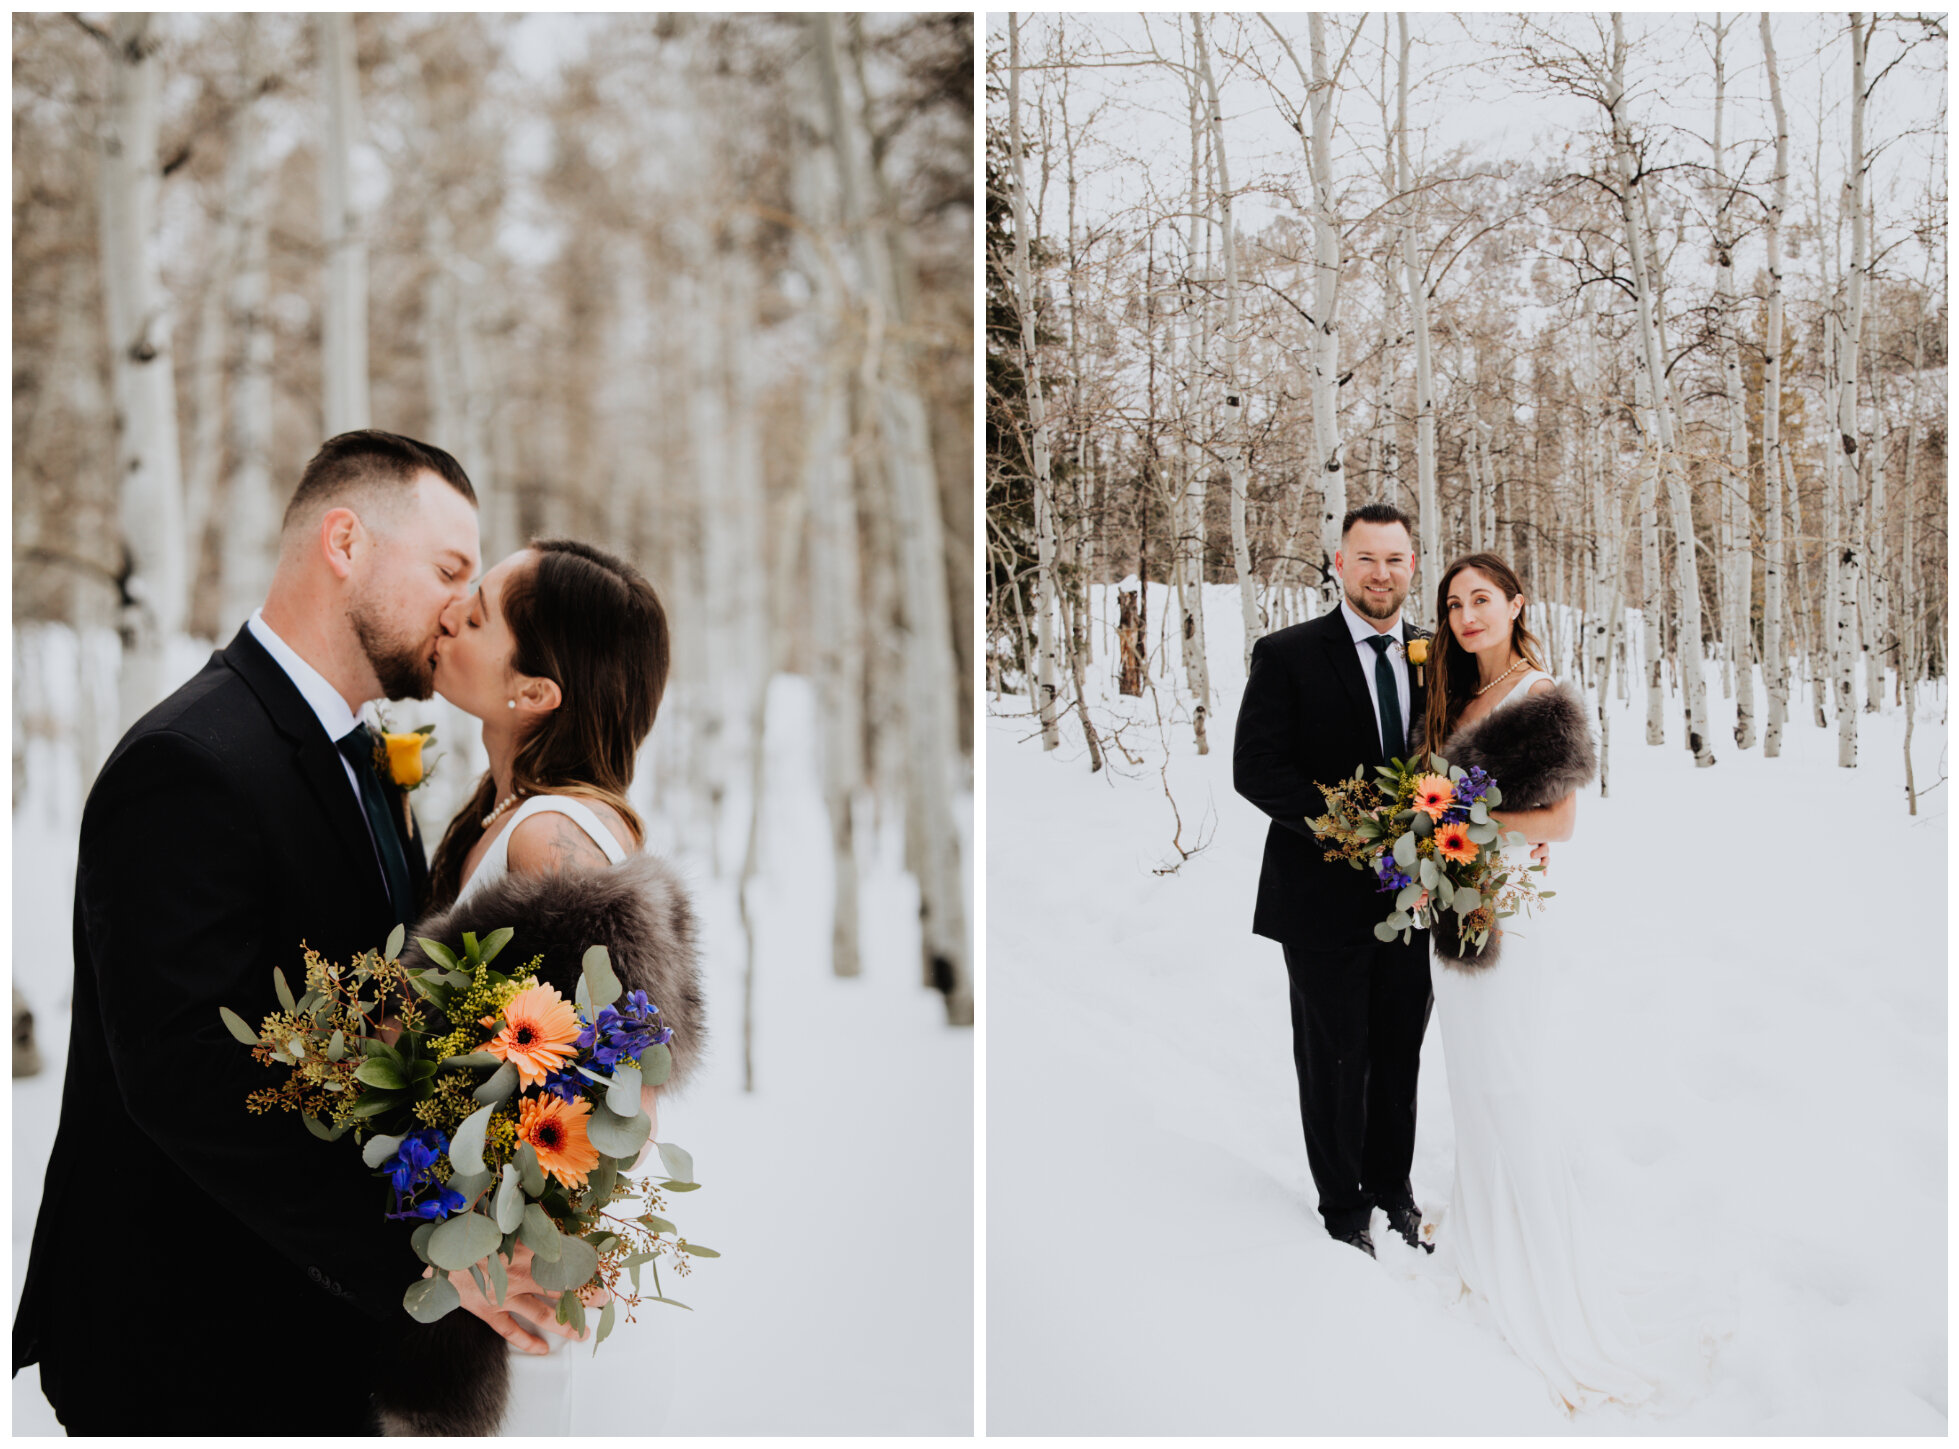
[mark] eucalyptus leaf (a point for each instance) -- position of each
(677, 1186)
(1479, 813)
(498, 1086)
(510, 1200)
(286, 1003)
(605, 987)
(655, 1065)
(379, 1149)
(1404, 850)
(419, 1240)
(320, 1129)
(395, 939)
(375, 1103)
(1438, 764)
(657, 1223)
(1445, 892)
(573, 1267)
(499, 1279)
(428, 1299)
(623, 1095)
(1482, 834)
(380, 1072)
(697, 1251)
(1423, 825)
(605, 1325)
(495, 942)
(1456, 772)
(617, 1136)
(1492, 797)
(1467, 900)
(482, 1283)
(466, 1147)
(471, 1185)
(235, 1024)
(337, 1048)
(529, 1171)
(604, 1178)
(571, 1310)
(674, 1301)
(1405, 898)
(1384, 932)
(437, 952)
(539, 1233)
(471, 1059)
(462, 1240)
(677, 1161)
(1430, 872)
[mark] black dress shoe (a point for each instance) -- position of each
(1407, 1221)
(1360, 1238)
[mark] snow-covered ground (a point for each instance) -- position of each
(839, 1192)
(1753, 1052)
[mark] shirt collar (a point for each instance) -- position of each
(325, 701)
(1363, 629)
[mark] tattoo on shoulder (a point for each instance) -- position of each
(571, 846)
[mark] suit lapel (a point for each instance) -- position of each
(314, 755)
(1344, 657)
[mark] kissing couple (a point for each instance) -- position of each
(247, 814)
(1339, 692)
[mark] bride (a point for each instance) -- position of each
(1520, 1233)
(562, 653)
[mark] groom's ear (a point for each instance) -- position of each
(340, 536)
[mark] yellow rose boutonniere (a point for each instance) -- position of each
(398, 757)
(1418, 656)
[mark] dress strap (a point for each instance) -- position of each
(578, 810)
(1524, 686)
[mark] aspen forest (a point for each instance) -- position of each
(694, 288)
(1654, 308)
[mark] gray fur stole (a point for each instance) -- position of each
(1538, 749)
(452, 1377)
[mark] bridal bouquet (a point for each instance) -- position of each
(1424, 825)
(496, 1112)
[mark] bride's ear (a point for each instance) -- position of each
(539, 696)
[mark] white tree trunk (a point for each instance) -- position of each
(1236, 404)
(344, 325)
(1326, 299)
(937, 772)
(1736, 543)
(1849, 550)
(1417, 289)
(1775, 649)
(150, 500)
(1043, 684)
(252, 513)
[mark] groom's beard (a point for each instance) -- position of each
(1376, 611)
(402, 666)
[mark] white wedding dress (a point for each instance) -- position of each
(1517, 1225)
(543, 1389)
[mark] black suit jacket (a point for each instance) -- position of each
(1307, 720)
(198, 1268)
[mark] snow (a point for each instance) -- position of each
(1754, 1072)
(839, 1192)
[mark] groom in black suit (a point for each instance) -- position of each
(197, 1268)
(1321, 698)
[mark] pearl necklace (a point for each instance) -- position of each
(1499, 679)
(511, 799)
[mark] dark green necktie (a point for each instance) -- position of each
(357, 745)
(1390, 699)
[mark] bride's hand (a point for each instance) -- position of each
(526, 1311)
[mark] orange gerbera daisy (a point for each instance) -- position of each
(1435, 795)
(555, 1129)
(540, 1029)
(1452, 842)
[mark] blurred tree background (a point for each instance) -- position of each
(696, 288)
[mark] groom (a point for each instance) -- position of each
(197, 1268)
(1321, 698)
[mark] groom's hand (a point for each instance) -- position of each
(526, 1311)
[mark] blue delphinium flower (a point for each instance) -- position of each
(412, 1169)
(1392, 878)
(565, 1084)
(1471, 787)
(612, 1036)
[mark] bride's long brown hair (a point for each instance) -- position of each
(591, 623)
(1452, 682)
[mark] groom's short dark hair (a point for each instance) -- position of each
(366, 459)
(1377, 513)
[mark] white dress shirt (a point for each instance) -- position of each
(325, 701)
(1363, 629)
